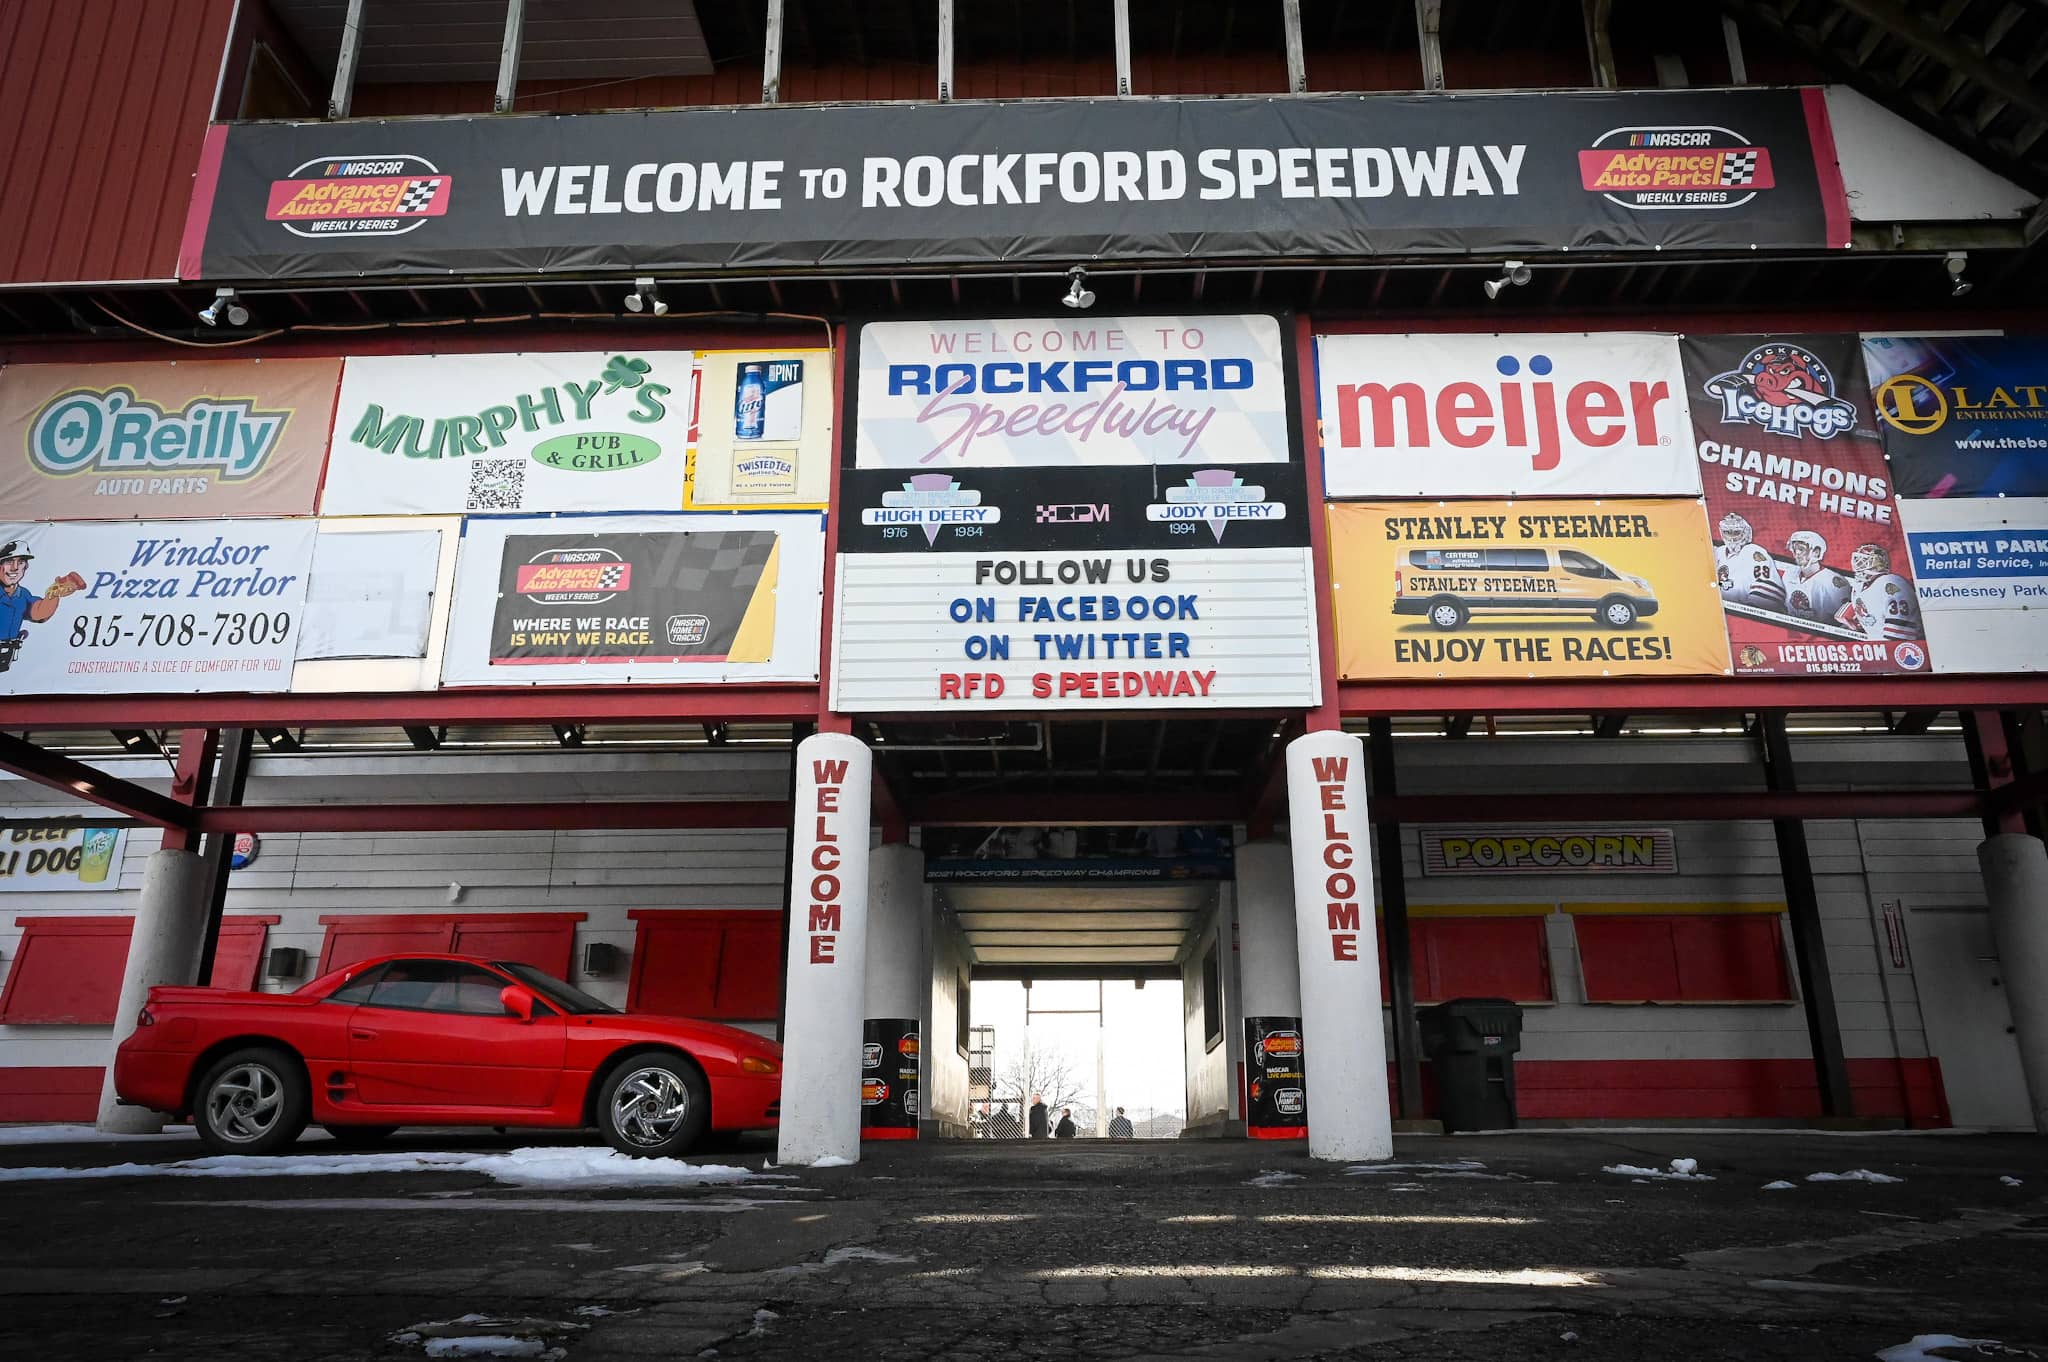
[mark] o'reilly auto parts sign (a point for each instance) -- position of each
(1054, 180)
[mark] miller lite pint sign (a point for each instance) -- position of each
(1537, 414)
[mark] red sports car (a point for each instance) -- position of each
(447, 1040)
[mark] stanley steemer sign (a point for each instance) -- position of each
(791, 187)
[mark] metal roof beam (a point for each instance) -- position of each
(74, 777)
(1950, 51)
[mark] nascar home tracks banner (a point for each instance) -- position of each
(1110, 390)
(1513, 589)
(762, 435)
(1539, 414)
(1980, 566)
(1963, 416)
(1041, 181)
(1809, 556)
(609, 599)
(166, 440)
(574, 431)
(107, 608)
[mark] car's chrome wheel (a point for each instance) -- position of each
(649, 1106)
(253, 1101)
(246, 1103)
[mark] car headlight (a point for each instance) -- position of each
(754, 1064)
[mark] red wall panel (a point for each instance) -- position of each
(1475, 957)
(104, 105)
(1683, 958)
(544, 940)
(67, 970)
(693, 963)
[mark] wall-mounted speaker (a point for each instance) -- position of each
(601, 959)
(286, 962)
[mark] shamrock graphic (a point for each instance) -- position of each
(624, 373)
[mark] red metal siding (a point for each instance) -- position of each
(105, 103)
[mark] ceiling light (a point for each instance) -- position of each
(1512, 272)
(1955, 262)
(224, 302)
(1079, 295)
(646, 298)
(568, 735)
(279, 739)
(136, 741)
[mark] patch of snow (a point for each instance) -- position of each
(2009, 1180)
(1444, 1168)
(85, 1134)
(1272, 1178)
(762, 1319)
(486, 1345)
(1681, 1170)
(599, 1311)
(854, 1252)
(1853, 1175)
(1781, 1186)
(1922, 1346)
(833, 1161)
(1568, 1337)
(533, 1167)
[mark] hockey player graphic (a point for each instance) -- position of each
(1883, 604)
(1813, 590)
(1745, 570)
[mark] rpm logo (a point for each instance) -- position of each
(359, 196)
(1675, 168)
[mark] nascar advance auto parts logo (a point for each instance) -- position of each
(1215, 496)
(1785, 389)
(113, 431)
(1677, 167)
(931, 501)
(573, 576)
(359, 196)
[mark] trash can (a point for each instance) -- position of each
(1472, 1043)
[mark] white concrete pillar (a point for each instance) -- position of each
(170, 925)
(898, 991)
(2016, 884)
(1350, 1116)
(1269, 975)
(828, 950)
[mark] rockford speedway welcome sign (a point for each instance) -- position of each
(1051, 180)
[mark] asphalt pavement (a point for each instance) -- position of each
(1506, 1246)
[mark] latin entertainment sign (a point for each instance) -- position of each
(164, 440)
(140, 606)
(574, 431)
(1963, 416)
(1036, 181)
(1809, 556)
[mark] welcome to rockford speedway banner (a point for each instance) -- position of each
(1060, 180)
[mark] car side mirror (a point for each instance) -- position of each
(518, 1001)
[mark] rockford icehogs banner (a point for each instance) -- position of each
(1172, 391)
(210, 605)
(165, 440)
(1963, 416)
(1809, 556)
(607, 599)
(1980, 566)
(1539, 414)
(763, 429)
(1045, 181)
(575, 431)
(1503, 590)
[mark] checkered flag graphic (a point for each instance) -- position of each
(1739, 167)
(611, 576)
(1047, 515)
(418, 196)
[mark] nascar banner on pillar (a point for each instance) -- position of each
(109, 607)
(610, 599)
(1809, 556)
(164, 440)
(574, 431)
(1046, 181)
(1538, 414)
(1503, 590)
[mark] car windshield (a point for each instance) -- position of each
(574, 1001)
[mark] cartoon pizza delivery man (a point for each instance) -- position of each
(18, 607)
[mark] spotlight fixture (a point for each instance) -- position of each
(646, 298)
(1079, 295)
(137, 742)
(568, 735)
(1955, 262)
(279, 739)
(424, 738)
(1511, 272)
(224, 304)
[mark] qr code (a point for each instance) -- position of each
(497, 485)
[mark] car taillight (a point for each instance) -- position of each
(754, 1064)
(143, 1018)
(1397, 584)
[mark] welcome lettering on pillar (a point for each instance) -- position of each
(1341, 885)
(826, 886)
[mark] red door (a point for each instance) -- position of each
(433, 1034)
